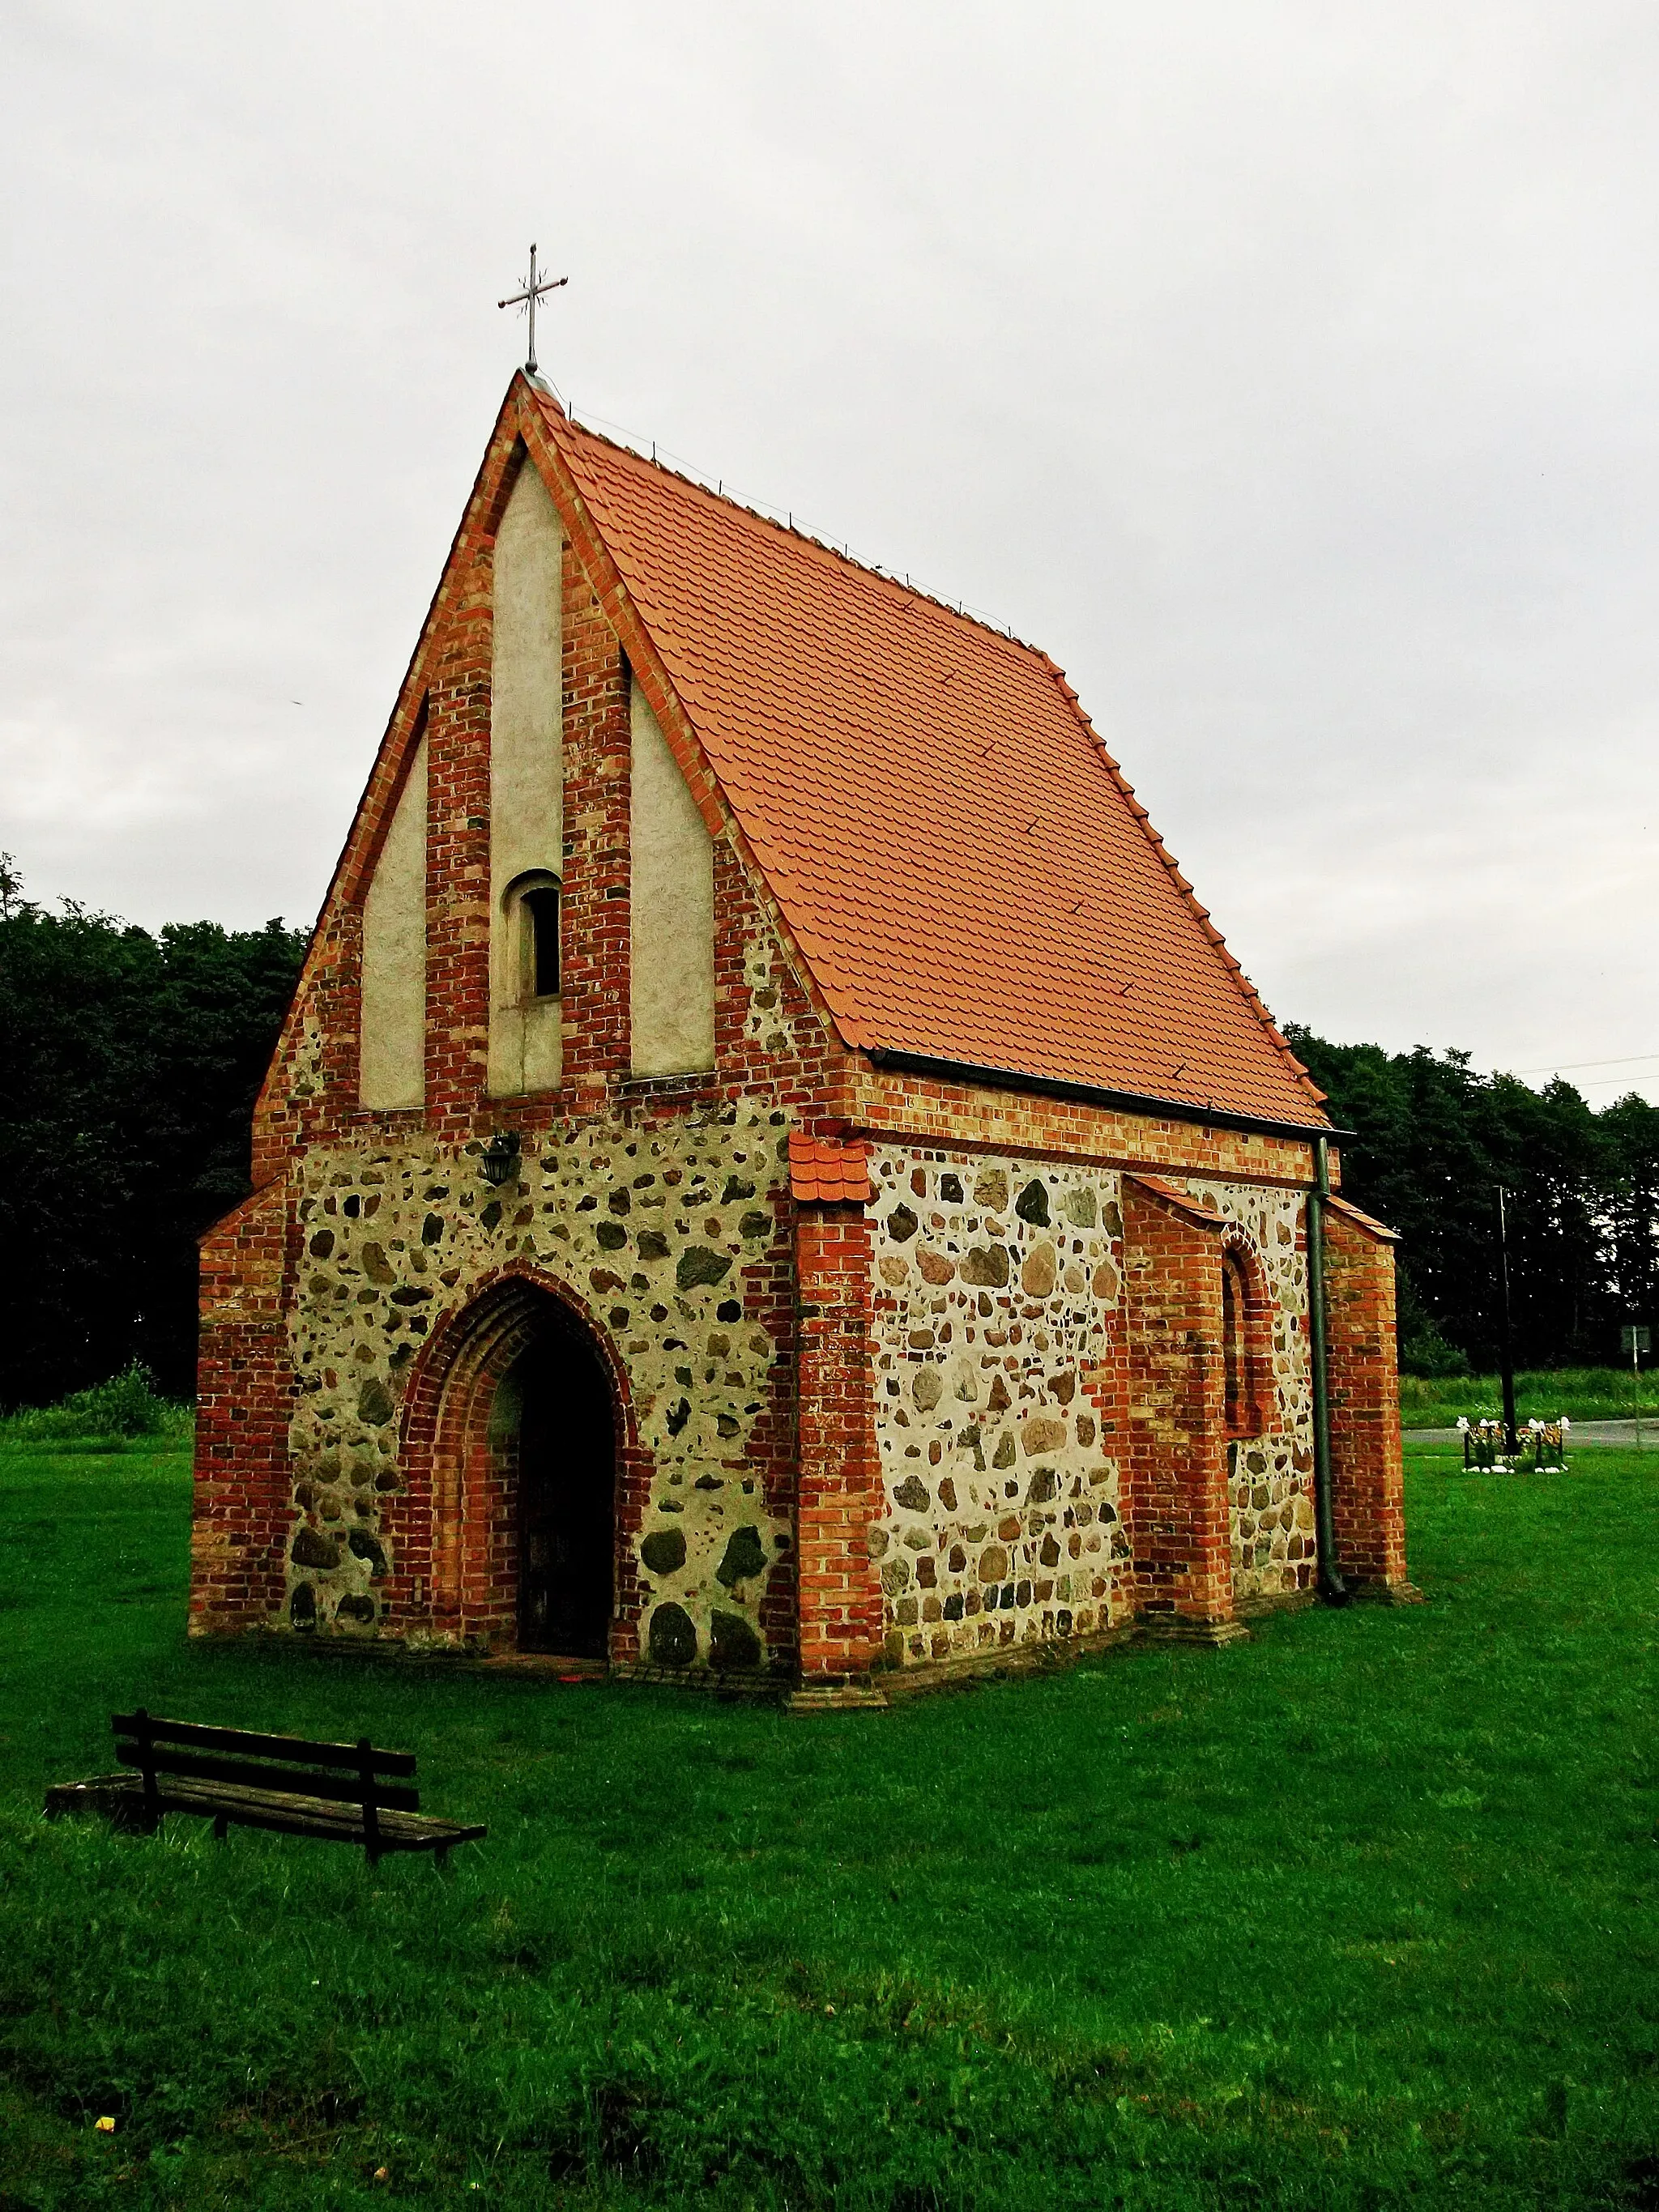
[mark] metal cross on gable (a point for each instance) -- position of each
(534, 290)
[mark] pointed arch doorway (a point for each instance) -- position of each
(557, 1396)
(523, 1471)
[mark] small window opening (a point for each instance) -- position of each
(541, 928)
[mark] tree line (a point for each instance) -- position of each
(1433, 1143)
(130, 1062)
(129, 1065)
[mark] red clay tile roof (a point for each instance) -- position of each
(1204, 1211)
(1367, 1222)
(958, 856)
(831, 1174)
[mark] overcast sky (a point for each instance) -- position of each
(1288, 371)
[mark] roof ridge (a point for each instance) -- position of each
(806, 538)
(618, 488)
(1252, 997)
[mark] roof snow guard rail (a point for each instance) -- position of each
(1091, 1094)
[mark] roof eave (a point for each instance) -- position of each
(1091, 1094)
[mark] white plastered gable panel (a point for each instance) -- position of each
(526, 776)
(391, 1034)
(671, 911)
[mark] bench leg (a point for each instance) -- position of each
(220, 1829)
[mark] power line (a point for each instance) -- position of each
(1572, 1066)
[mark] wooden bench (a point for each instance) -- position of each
(342, 1793)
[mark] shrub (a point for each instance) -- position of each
(126, 1404)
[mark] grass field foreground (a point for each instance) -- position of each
(1360, 1913)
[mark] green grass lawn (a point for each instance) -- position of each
(1360, 1913)
(1583, 1394)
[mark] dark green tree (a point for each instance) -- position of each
(129, 1065)
(1433, 1141)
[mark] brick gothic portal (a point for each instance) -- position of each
(524, 1480)
(557, 1399)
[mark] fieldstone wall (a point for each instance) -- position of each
(1270, 1476)
(674, 1234)
(997, 1286)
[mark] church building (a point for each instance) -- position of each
(771, 1175)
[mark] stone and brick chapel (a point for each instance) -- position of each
(770, 1175)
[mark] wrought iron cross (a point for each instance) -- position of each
(533, 291)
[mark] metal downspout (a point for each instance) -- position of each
(1331, 1587)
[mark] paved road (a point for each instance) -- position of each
(1580, 1432)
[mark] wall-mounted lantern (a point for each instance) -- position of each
(499, 1163)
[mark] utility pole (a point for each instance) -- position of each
(1505, 1346)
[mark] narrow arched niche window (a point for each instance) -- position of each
(1240, 1414)
(531, 905)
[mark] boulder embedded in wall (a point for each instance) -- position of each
(935, 1267)
(733, 1646)
(1105, 1284)
(310, 1550)
(673, 1641)
(1004, 1454)
(362, 1546)
(1032, 1203)
(652, 1244)
(302, 1606)
(927, 1389)
(901, 1224)
(376, 1266)
(1042, 1486)
(374, 1402)
(912, 1495)
(1079, 1206)
(357, 1608)
(991, 1190)
(697, 1264)
(743, 1557)
(664, 1551)
(993, 1564)
(1041, 1272)
(985, 1264)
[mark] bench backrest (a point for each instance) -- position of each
(286, 1765)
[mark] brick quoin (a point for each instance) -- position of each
(1367, 1481)
(839, 1477)
(1177, 1512)
(435, 1488)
